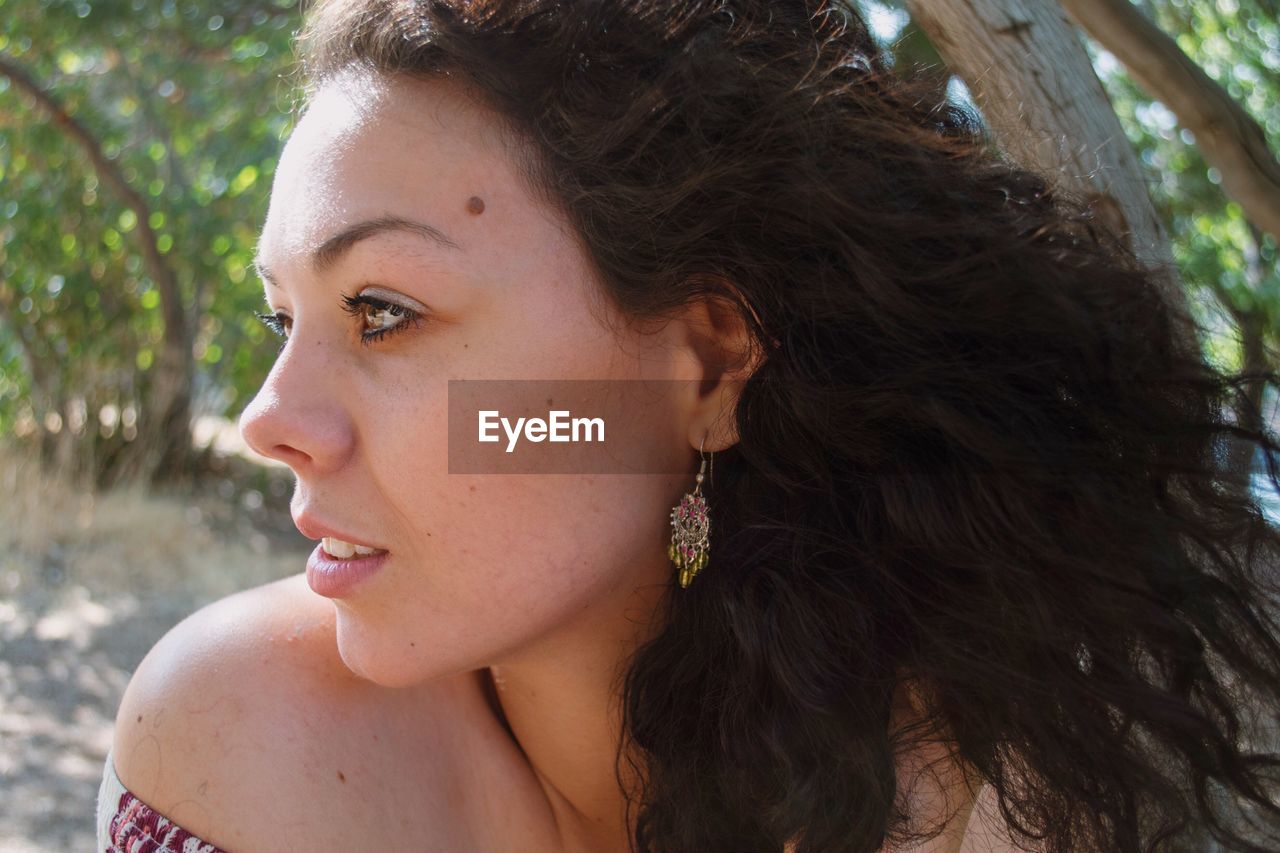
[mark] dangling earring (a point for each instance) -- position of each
(691, 527)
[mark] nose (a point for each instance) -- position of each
(298, 417)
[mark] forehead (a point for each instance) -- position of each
(369, 146)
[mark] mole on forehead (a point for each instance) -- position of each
(475, 204)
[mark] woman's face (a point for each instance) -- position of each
(481, 567)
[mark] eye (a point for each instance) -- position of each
(278, 322)
(378, 316)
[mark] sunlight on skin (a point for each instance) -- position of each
(547, 579)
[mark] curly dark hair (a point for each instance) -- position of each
(983, 449)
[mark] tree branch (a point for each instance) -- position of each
(1229, 138)
(109, 173)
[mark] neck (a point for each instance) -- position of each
(561, 700)
(561, 697)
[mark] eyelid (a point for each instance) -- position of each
(382, 293)
(394, 297)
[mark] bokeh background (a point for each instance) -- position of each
(138, 139)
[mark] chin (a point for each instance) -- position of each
(382, 661)
(372, 661)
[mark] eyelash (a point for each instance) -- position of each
(355, 306)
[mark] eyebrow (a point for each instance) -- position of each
(333, 248)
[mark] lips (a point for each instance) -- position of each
(313, 528)
(335, 578)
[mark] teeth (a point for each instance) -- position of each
(338, 548)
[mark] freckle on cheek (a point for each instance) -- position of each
(475, 205)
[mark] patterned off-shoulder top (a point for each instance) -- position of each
(128, 825)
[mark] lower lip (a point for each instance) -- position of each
(334, 578)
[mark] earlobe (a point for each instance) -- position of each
(718, 429)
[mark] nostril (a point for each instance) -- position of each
(287, 454)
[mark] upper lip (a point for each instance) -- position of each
(312, 528)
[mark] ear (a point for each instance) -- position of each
(725, 354)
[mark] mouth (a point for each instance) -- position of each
(335, 576)
(340, 549)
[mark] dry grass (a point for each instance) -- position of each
(88, 583)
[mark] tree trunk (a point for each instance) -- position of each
(1255, 361)
(1032, 78)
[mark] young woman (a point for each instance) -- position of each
(970, 575)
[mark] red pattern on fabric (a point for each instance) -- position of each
(138, 828)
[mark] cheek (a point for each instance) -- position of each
(508, 540)
(551, 543)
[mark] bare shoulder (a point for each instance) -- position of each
(243, 726)
(938, 791)
(988, 832)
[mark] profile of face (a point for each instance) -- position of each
(481, 567)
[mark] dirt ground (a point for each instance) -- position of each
(88, 583)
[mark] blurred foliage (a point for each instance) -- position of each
(1224, 261)
(191, 101)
